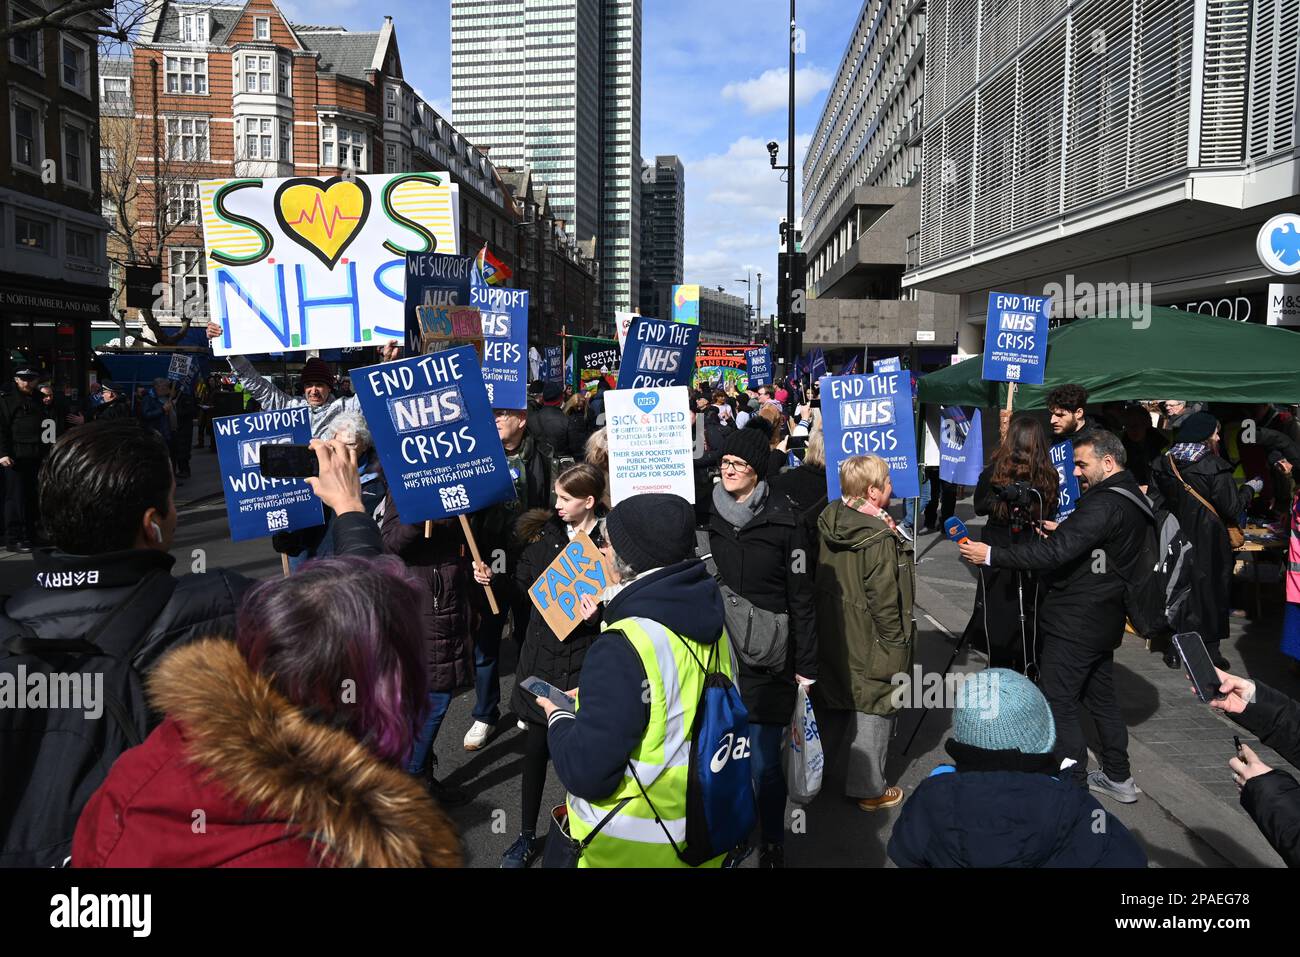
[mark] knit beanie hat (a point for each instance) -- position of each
(652, 530)
(317, 371)
(1002, 710)
(751, 447)
(1197, 427)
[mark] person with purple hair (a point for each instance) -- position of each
(287, 747)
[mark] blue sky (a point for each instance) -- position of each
(713, 91)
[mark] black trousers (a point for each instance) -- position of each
(537, 754)
(1075, 674)
(21, 503)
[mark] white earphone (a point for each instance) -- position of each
(157, 532)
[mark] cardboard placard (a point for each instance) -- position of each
(578, 570)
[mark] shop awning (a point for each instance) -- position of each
(1181, 355)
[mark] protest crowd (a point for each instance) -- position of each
(671, 655)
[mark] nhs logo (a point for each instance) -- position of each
(662, 360)
(1018, 322)
(866, 413)
(496, 325)
(427, 410)
(250, 451)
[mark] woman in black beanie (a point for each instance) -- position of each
(761, 552)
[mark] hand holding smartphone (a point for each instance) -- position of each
(543, 689)
(1205, 679)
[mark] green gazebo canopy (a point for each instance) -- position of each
(1180, 355)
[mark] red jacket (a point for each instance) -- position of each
(237, 776)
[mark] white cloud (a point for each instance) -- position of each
(771, 91)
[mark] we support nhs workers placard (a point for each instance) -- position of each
(1067, 481)
(1015, 338)
(758, 363)
(435, 433)
(258, 506)
(870, 415)
(434, 279)
(658, 354)
(505, 343)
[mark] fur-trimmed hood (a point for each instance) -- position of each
(531, 524)
(264, 752)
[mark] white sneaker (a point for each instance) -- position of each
(477, 736)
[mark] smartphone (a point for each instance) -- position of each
(816, 403)
(1236, 743)
(288, 461)
(1199, 667)
(542, 689)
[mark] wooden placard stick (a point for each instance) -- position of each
(428, 528)
(284, 564)
(473, 550)
(1005, 418)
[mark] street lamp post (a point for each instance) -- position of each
(793, 284)
(749, 301)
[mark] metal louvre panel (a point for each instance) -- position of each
(1038, 121)
(1034, 15)
(962, 23)
(997, 151)
(936, 56)
(1100, 55)
(958, 154)
(1162, 95)
(1224, 89)
(931, 192)
(1288, 76)
(1000, 21)
(1275, 65)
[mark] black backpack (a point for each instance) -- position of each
(54, 758)
(1147, 585)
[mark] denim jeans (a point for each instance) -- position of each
(438, 704)
(487, 678)
(909, 517)
(769, 779)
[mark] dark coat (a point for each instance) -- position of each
(566, 434)
(22, 419)
(1273, 800)
(1007, 818)
(1212, 558)
(494, 527)
(1141, 453)
(805, 487)
(108, 411)
(1082, 605)
(543, 655)
(440, 562)
(761, 563)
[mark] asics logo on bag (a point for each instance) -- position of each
(726, 751)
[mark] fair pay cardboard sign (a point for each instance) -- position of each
(578, 570)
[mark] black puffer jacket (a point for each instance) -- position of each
(440, 562)
(761, 563)
(73, 592)
(22, 419)
(1273, 800)
(1083, 605)
(494, 527)
(543, 655)
(566, 434)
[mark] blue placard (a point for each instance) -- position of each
(257, 506)
(758, 366)
(434, 279)
(553, 365)
(1015, 338)
(505, 343)
(658, 354)
(892, 364)
(435, 433)
(961, 446)
(1067, 481)
(870, 415)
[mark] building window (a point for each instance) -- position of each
(24, 48)
(74, 58)
(257, 73)
(257, 134)
(187, 272)
(75, 156)
(194, 28)
(186, 74)
(115, 89)
(262, 28)
(286, 147)
(109, 212)
(183, 204)
(25, 120)
(31, 233)
(284, 77)
(352, 147)
(81, 245)
(187, 137)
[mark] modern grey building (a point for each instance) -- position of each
(556, 85)
(723, 317)
(1108, 149)
(861, 193)
(663, 227)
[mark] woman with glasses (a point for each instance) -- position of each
(762, 553)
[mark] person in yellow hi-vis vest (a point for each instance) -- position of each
(625, 753)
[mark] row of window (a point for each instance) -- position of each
(37, 235)
(254, 73)
(26, 120)
(74, 55)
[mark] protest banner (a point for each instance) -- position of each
(1067, 498)
(622, 323)
(578, 570)
(961, 446)
(257, 506)
(1015, 338)
(651, 448)
(450, 327)
(435, 433)
(553, 365)
(505, 344)
(434, 279)
(686, 305)
(870, 415)
(658, 354)
(725, 365)
(890, 364)
(592, 360)
(758, 367)
(313, 263)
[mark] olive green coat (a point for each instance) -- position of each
(866, 579)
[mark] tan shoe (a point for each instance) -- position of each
(891, 798)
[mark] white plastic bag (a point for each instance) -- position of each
(801, 752)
